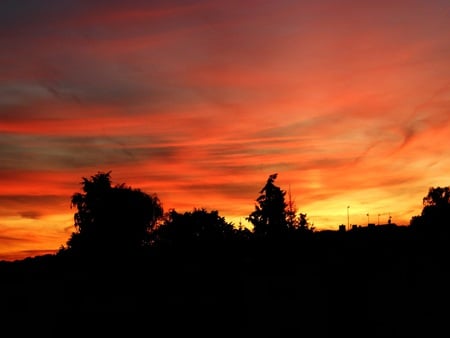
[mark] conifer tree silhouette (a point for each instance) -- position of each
(269, 217)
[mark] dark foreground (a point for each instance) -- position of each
(329, 285)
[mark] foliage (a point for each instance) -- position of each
(303, 223)
(435, 216)
(192, 226)
(292, 220)
(269, 216)
(437, 197)
(112, 218)
(296, 223)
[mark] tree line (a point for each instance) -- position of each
(118, 219)
(195, 271)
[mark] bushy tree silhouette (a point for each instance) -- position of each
(435, 216)
(269, 217)
(181, 229)
(112, 219)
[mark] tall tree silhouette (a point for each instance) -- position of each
(435, 216)
(269, 217)
(112, 219)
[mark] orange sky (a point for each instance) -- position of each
(200, 101)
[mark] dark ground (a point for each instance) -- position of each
(332, 285)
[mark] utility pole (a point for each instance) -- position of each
(368, 219)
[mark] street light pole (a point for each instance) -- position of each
(348, 218)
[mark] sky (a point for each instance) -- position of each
(199, 102)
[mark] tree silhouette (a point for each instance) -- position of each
(269, 217)
(435, 216)
(192, 226)
(303, 223)
(291, 213)
(112, 218)
(437, 197)
(296, 223)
